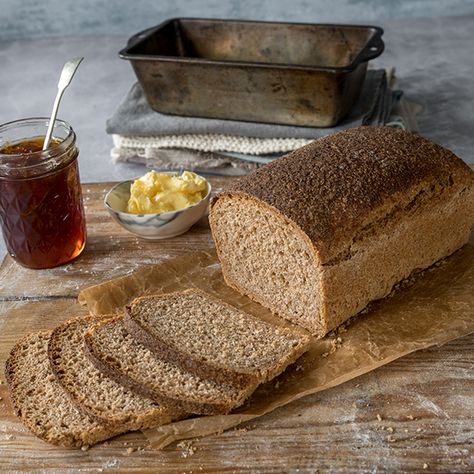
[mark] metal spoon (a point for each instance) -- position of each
(64, 80)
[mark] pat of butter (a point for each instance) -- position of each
(158, 192)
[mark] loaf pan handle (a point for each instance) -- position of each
(133, 40)
(374, 49)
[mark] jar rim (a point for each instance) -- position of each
(44, 156)
(32, 164)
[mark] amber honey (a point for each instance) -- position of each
(41, 209)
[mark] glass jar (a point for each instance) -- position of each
(41, 211)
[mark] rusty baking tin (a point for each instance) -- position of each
(284, 73)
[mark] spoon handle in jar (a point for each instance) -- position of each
(64, 80)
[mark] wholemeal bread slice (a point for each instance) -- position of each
(94, 392)
(116, 353)
(211, 338)
(41, 402)
(316, 235)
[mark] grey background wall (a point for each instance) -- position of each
(45, 18)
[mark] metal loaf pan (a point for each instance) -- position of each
(284, 73)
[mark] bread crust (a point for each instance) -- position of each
(348, 180)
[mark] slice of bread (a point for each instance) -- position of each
(98, 395)
(116, 353)
(41, 402)
(211, 338)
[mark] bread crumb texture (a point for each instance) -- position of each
(41, 402)
(92, 390)
(223, 340)
(122, 357)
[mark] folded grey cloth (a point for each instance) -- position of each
(227, 147)
(134, 117)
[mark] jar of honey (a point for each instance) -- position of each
(41, 211)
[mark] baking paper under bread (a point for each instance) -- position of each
(437, 307)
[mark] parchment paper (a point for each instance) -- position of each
(434, 308)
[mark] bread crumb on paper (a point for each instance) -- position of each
(425, 466)
(379, 417)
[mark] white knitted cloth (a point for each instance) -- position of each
(212, 143)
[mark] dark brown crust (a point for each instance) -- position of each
(9, 375)
(344, 177)
(52, 350)
(199, 408)
(173, 355)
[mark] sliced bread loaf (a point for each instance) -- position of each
(41, 402)
(94, 392)
(211, 338)
(318, 234)
(116, 353)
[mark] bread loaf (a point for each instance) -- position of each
(318, 234)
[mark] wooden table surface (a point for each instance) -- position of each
(413, 415)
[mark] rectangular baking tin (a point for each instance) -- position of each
(283, 73)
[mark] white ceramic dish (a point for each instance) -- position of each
(153, 226)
